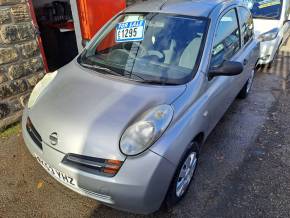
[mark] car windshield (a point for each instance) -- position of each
(149, 48)
(267, 9)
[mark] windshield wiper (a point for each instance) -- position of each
(104, 69)
(140, 80)
(152, 82)
(155, 82)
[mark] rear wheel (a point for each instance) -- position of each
(247, 87)
(183, 176)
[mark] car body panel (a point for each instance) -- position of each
(199, 9)
(90, 112)
(139, 193)
(99, 106)
(269, 48)
(205, 101)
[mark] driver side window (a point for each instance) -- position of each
(227, 39)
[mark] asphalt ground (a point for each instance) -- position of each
(244, 169)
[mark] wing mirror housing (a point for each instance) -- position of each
(228, 68)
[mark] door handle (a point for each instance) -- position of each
(245, 62)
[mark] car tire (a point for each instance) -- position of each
(248, 86)
(188, 163)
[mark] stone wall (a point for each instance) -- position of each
(21, 65)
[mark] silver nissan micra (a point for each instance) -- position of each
(124, 122)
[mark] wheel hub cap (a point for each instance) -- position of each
(185, 174)
(250, 81)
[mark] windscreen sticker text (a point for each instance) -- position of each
(130, 31)
(218, 49)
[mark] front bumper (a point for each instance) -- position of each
(268, 51)
(140, 185)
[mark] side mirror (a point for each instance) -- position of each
(228, 68)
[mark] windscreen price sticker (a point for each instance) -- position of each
(130, 31)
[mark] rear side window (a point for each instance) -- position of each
(227, 39)
(247, 25)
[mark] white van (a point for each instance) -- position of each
(272, 26)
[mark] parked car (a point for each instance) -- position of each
(272, 25)
(125, 121)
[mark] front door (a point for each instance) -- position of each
(227, 46)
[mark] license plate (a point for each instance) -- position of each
(56, 173)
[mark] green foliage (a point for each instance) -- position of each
(11, 131)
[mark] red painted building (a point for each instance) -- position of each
(64, 26)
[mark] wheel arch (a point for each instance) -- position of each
(199, 138)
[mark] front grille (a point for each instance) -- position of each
(33, 133)
(93, 165)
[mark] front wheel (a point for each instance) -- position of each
(248, 86)
(183, 176)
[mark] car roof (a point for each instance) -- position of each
(198, 8)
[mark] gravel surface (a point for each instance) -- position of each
(244, 169)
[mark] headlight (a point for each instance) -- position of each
(142, 134)
(268, 36)
(40, 86)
